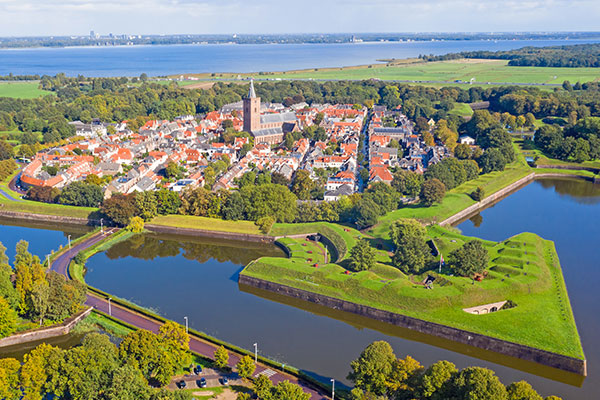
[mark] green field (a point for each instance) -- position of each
(483, 71)
(524, 269)
(21, 89)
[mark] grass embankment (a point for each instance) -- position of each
(524, 269)
(204, 223)
(22, 89)
(34, 207)
(77, 271)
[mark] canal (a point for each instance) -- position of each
(182, 276)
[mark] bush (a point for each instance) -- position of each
(478, 194)
(136, 225)
(265, 224)
(508, 305)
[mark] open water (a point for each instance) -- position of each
(178, 59)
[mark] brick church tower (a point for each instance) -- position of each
(252, 111)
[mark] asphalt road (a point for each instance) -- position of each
(197, 345)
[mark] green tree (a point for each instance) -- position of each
(435, 381)
(289, 391)
(36, 369)
(9, 379)
(403, 379)
(172, 171)
(408, 183)
(265, 224)
(366, 213)
(462, 151)
(6, 150)
(362, 256)
(269, 200)
(127, 383)
(470, 258)
(412, 252)
(303, 185)
(146, 205)
(168, 202)
(492, 160)
(263, 387)
(478, 194)
(29, 274)
(177, 341)
(8, 319)
(119, 208)
(245, 367)
(136, 225)
(475, 383)
(433, 191)
(141, 350)
(221, 357)
(371, 369)
(522, 391)
(81, 194)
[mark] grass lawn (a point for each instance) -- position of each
(204, 223)
(22, 89)
(462, 110)
(524, 269)
(35, 207)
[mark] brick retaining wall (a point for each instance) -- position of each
(45, 333)
(523, 352)
(210, 234)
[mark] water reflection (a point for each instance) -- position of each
(580, 191)
(153, 245)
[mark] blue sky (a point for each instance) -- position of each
(77, 17)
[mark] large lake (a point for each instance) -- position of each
(183, 276)
(178, 59)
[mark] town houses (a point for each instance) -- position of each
(332, 142)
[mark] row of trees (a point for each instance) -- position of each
(31, 292)
(573, 56)
(379, 375)
(99, 370)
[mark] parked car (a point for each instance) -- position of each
(198, 369)
(201, 383)
(181, 384)
(225, 381)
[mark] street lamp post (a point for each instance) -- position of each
(109, 309)
(101, 227)
(332, 389)
(69, 238)
(186, 324)
(255, 352)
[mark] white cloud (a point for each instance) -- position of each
(64, 17)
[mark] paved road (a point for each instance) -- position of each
(197, 345)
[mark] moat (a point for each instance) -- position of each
(182, 276)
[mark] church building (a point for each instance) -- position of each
(267, 128)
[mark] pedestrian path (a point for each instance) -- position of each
(266, 372)
(8, 196)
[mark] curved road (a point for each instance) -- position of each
(197, 345)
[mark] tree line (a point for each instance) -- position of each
(379, 375)
(572, 56)
(31, 293)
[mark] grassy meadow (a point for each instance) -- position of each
(21, 89)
